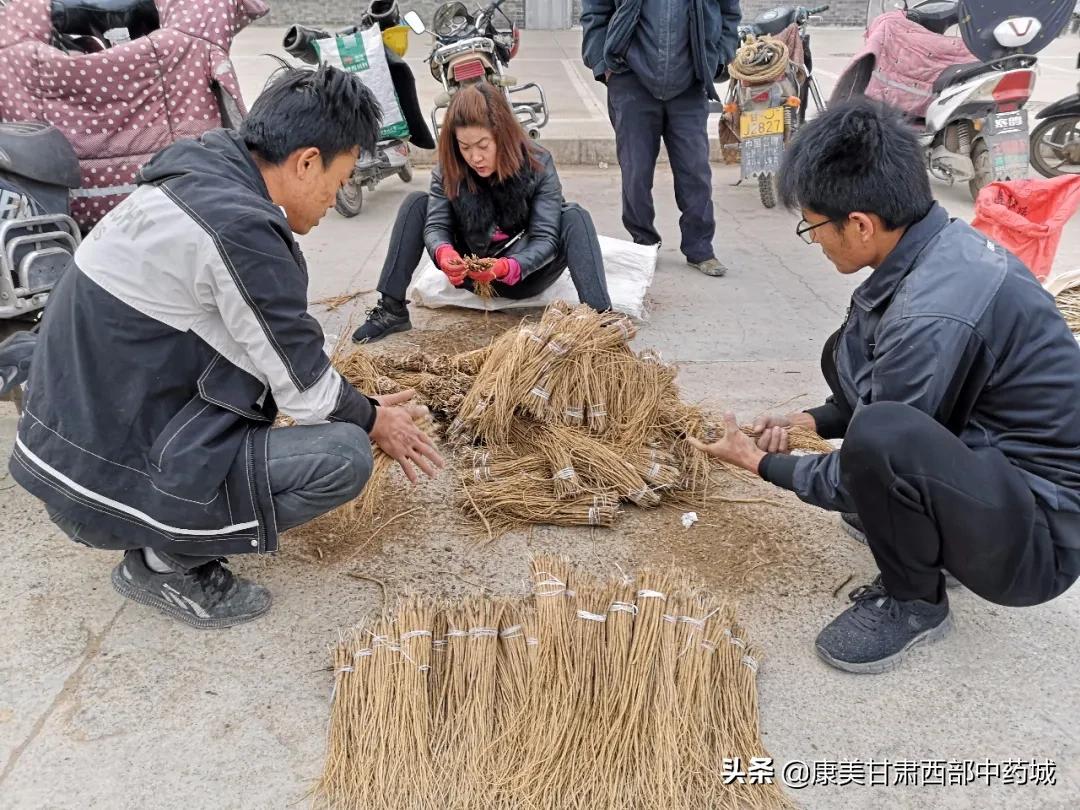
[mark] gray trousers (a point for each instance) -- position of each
(313, 469)
(640, 121)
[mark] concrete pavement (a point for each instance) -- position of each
(106, 704)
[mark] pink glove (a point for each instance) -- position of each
(507, 270)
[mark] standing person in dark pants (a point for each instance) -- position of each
(493, 194)
(659, 59)
(955, 384)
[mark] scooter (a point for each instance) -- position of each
(471, 48)
(1055, 143)
(766, 114)
(392, 155)
(975, 129)
(38, 237)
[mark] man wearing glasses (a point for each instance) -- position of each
(955, 385)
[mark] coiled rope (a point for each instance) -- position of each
(759, 61)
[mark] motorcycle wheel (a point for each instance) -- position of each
(767, 190)
(980, 159)
(1055, 130)
(406, 173)
(350, 199)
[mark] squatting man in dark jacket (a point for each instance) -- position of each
(955, 385)
(175, 339)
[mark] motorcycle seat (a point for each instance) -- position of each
(38, 152)
(774, 21)
(92, 18)
(957, 74)
(937, 16)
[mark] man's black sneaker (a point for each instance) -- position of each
(382, 321)
(209, 596)
(853, 526)
(873, 634)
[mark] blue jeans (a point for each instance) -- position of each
(313, 469)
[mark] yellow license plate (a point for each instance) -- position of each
(756, 123)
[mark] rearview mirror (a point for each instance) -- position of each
(412, 19)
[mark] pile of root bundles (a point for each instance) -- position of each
(564, 421)
(557, 421)
(626, 693)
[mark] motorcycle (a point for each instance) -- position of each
(971, 119)
(471, 48)
(392, 155)
(769, 90)
(156, 66)
(38, 237)
(1055, 143)
(45, 202)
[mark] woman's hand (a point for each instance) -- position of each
(772, 430)
(396, 433)
(451, 263)
(502, 269)
(734, 447)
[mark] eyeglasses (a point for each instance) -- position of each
(805, 230)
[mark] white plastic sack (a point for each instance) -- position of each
(362, 53)
(629, 269)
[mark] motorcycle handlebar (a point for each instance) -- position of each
(817, 10)
(299, 41)
(492, 8)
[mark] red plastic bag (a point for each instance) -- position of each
(1027, 217)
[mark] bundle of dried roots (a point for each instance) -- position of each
(623, 693)
(477, 264)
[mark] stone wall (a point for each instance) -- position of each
(841, 12)
(338, 12)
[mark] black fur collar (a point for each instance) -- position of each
(506, 205)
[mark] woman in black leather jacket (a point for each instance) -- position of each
(494, 194)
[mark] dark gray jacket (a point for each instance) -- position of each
(530, 204)
(668, 44)
(958, 327)
(167, 349)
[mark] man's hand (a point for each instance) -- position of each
(772, 430)
(396, 433)
(734, 447)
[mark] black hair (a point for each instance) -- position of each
(857, 156)
(325, 107)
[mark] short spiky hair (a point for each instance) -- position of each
(857, 156)
(326, 108)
